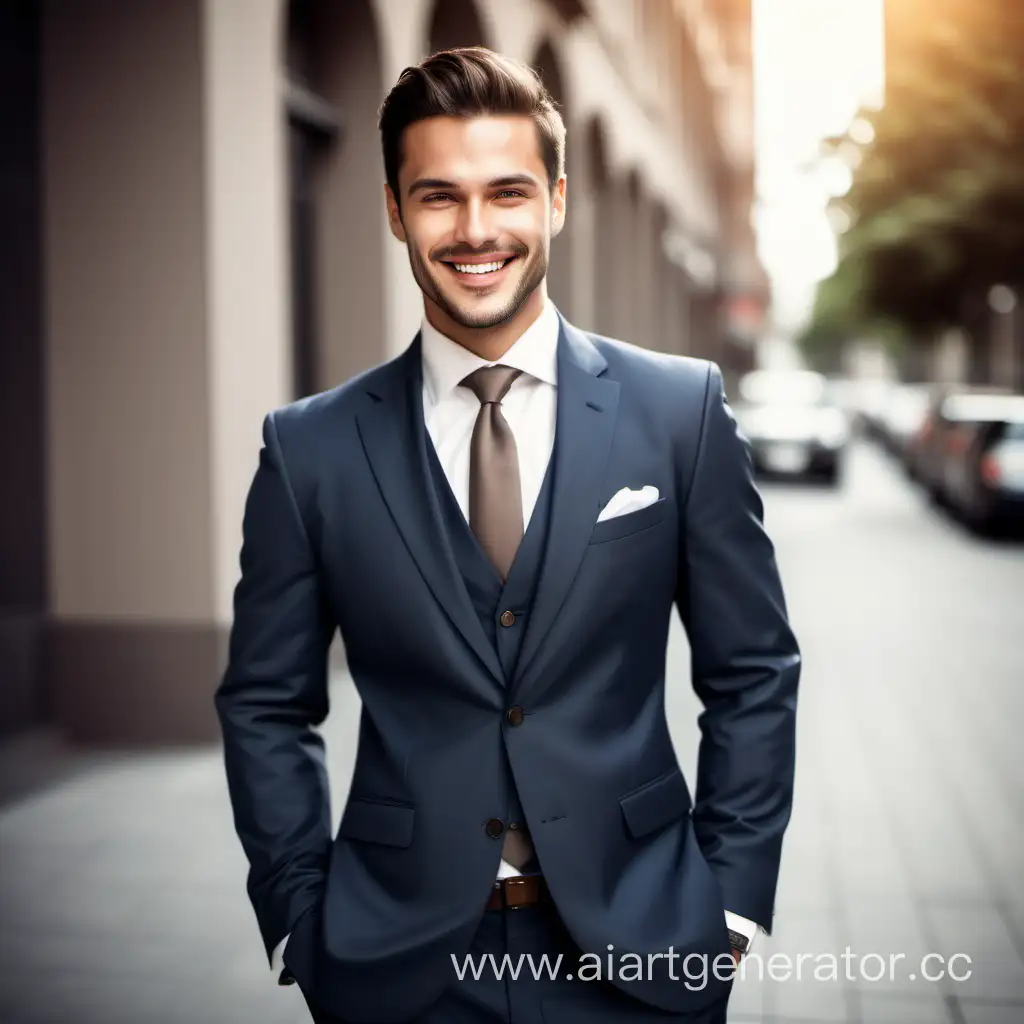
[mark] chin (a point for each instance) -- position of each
(486, 311)
(487, 316)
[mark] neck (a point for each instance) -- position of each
(489, 343)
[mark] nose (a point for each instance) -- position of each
(473, 228)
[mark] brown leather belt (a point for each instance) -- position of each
(518, 891)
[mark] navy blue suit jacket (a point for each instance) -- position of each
(342, 531)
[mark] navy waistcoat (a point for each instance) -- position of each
(490, 597)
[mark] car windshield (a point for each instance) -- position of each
(969, 408)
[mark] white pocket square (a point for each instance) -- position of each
(628, 501)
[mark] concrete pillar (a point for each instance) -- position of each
(666, 305)
(644, 268)
(581, 211)
(610, 264)
(621, 245)
(166, 289)
(560, 278)
(593, 253)
(561, 284)
(684, 315)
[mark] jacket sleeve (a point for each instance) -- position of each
(745, 666)
(273, 690)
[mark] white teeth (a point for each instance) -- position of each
(478, 268)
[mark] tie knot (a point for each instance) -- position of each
(491, 383)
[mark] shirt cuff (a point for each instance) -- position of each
(277, 959)
(744, 926)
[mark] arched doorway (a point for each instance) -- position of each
(455, 23)
(333, 90)
(546, 63)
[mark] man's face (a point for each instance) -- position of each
(476, 214)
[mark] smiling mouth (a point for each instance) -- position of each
(478, 273)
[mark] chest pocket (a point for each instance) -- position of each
(630, 523)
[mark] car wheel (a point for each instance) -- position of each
(977, 519)
(830, 475)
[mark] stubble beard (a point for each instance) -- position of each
(534, 273)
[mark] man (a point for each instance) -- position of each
(499, 522)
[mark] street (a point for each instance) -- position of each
(122, 893)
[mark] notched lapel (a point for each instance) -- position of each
(584, 428)
(393, 434)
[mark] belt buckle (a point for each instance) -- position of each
(507, 884)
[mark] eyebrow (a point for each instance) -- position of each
(507, 181)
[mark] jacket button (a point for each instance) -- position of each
(515, 715)
(494, 827)
(507, 619)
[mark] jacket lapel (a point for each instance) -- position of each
(584, 427)
(393, 433)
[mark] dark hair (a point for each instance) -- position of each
(468, 82)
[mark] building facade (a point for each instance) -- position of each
(195, 192)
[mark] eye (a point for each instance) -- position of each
(510, 193)
(438, 197)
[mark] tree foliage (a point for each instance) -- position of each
(935, 212)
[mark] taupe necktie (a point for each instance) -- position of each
(496, 510)
(495, 498)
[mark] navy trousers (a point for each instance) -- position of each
(542, 995)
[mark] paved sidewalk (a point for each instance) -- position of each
(122, 882)
(122, 893)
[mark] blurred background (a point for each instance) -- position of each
(823, 196)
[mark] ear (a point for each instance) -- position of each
(394, 216)
(558, 206)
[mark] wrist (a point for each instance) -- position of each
(742, 932)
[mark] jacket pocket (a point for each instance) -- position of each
(657, 802)
(630, 523)
(377, 821)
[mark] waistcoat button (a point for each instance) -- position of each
(507, 619)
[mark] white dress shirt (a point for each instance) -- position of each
(529, 407)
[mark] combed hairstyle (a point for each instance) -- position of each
(470, 82)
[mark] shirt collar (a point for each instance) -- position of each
(446, 362)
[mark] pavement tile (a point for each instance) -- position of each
(889, 943)
(890, 1008)
(102, 999)
(748, 998)
(996, 969)
(789, 964)
(978, 1012)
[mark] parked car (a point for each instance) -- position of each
(983, 471)
(866, 405)
(793, 423)
(926, 449)
(902, 414)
